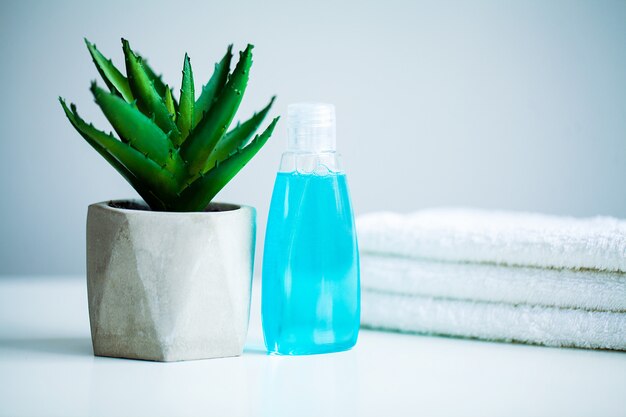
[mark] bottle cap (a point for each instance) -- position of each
(311, 127)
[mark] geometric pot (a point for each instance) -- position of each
(167, 286)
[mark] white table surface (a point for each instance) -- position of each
(47, 368)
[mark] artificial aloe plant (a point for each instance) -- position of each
(177, 154)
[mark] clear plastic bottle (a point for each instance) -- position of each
(311, 288)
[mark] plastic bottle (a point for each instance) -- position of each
(311, 287)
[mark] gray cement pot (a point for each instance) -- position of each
(169, 286)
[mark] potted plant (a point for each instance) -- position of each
(169, 278)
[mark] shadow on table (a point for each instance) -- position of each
(254, 349)
(79, 346)
(73, 346)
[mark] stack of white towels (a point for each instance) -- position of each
(555, 281)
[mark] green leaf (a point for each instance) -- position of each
(212, 89)
(187, 97)
(144, 174)
(169, 103)
(137, 129)
(156, 79)
(238, 137)
(113, 78)
(202, 140)
(148, 99)
(199, 193)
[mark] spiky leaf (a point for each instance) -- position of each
(212, 89)
(238, 137)
(144, 174)
(199, 193)
(202, 140)
(113, 78)
(149, 155)
(148, 99)
(187, 97)
(137, 129)
(169, 103)
(156, 79)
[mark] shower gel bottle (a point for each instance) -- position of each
(310, 289)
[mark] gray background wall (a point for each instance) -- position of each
(511, 105)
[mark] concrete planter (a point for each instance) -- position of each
(169, 286)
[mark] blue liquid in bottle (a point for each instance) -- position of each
(311, 289)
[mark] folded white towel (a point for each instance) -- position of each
(587, 289)
(509, 238)
(548, 326)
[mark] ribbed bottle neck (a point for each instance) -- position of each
(311, 127)
(317, 163)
